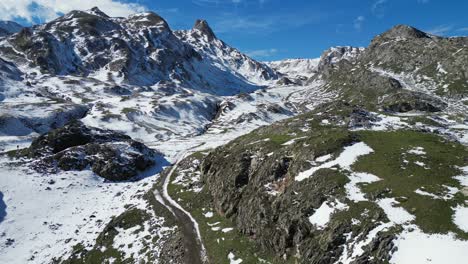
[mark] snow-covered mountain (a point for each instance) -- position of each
(299, 160)
(228, 59)
(296, 68)
(140, 50)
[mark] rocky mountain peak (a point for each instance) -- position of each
(148, 19)
(403, 32)
(97, 12)
(204, 28)
(335, 54)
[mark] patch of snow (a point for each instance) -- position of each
(208, 214)
(463, 179)
(344, 160)
(323, 158)
(395, 214)
(325, 122)
(418, 247)
(233, 260)
(226, 230)
(353, 192)
(322, 215)
(417, 151)
(290, 142)
(460, 218)
(451, 191)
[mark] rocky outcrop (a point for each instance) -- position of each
(412, 101)
(203, 27)
(109, 154)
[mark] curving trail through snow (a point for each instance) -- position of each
(196, 252)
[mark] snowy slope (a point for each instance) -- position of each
(296, 67)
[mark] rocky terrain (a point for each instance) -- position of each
(124, 141)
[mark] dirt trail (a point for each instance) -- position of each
(195, 250)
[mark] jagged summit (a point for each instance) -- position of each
(148, 19)
(203, 27)
(96, 11)
(403, 32)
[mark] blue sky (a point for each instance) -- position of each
(275, 29)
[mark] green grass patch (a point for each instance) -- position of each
(128, 110)
(401, 179)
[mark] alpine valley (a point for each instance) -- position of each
(124, 141)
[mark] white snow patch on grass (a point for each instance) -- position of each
(417, 151)
(420, 164)
(417, 247)
(322, 215)
(290, 142)
(323, 158)
(233, 260)
(353, 192)
(395, 214)
(463, 179)
(451, 191)
(208, 214)
(344, 160)
(460, 218)
(227, 229)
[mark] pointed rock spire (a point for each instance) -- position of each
(204, 28)
(404, 31)
(96, 11)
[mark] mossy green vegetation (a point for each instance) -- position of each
(403, 173)
(128, 110)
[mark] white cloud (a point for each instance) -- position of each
(378, 8)
(264, 53)
(358, 22)
(46, 10)
(440, 30)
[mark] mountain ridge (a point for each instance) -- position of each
(329, 160)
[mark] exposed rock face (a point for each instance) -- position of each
(409, 101)
(401, 32)
(202, 26)
(111, 155)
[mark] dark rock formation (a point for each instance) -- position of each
(109, 154)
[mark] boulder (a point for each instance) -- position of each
(109, 154)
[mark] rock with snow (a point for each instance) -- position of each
(109, 154)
